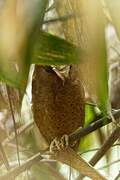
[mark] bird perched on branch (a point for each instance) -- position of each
(58, 101)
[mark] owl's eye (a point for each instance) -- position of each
(48, 69)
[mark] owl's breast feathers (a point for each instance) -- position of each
(58, 108)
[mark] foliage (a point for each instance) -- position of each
(25, 40)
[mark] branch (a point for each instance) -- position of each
(77, 135)
(106, 146)
(93, 126)
(69, 157)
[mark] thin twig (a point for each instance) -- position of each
(96, 149)
(50, 8)
(19, 132)
(110, 164)
(58, 19)
(15, 128)
(4, 157)
(116, 50)
(88, 151)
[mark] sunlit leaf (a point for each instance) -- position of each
(89, 114)
(87, 30)
(49, 50)
(92, 112)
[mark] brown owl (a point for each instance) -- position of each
(58, 105)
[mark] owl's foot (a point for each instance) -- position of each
(59, 144)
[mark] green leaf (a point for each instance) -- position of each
(92, 112)
(89, 114)
(52, 50)
(16, 32)
(20, 46)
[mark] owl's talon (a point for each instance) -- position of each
(59, 144)
(64, 141)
